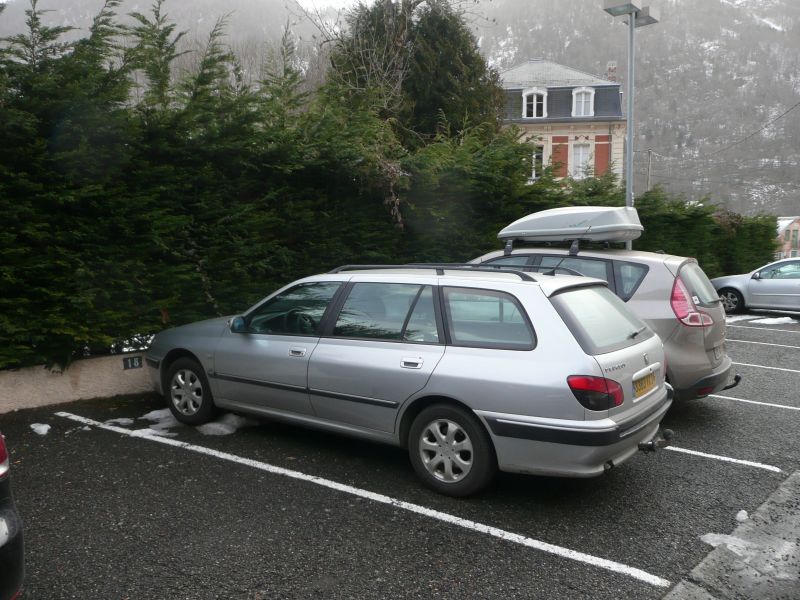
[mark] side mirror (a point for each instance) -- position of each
(238, 325)
(756, 275)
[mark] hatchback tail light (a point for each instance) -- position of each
(684, 307)
(596, 393)
(3, 457)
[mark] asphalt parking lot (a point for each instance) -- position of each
(273, 511)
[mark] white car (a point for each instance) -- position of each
(775, 286)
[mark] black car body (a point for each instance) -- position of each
(12, 562)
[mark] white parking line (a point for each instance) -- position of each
(761, 328)
(595, 561)
(728, 340)
(737, 461)
(755, 402)
(765, 367)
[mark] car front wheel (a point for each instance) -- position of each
(188, 393)
(451, 451)
(732, 301)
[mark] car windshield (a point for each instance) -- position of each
(599, 320)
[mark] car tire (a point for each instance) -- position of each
(732, 301)
(188, 393)
(451, 451)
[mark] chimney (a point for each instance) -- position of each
(611, 70)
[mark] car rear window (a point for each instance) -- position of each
(693, 277)
(599, 320)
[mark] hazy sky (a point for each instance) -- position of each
(311, 4)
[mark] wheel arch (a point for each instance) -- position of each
(170, 358)
(417, 405)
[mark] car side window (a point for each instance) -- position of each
(784, 271)
(486, 319)
(383, 311)
(629, 277)
(590, 267)
(421, 326)
(517, 260)
(296, 311)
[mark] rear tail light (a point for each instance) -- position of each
(3, 457)
(685, 309)
(596, 393)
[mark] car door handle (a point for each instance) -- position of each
(297, 352)
(412, 363)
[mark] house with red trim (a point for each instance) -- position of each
(788, 237)
(574, 119)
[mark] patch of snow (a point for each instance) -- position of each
(735, 318)
(150, 432)
(770, 24)
(734, 544)
(123, 421)
(776, 321)
(40, 428)
(162, 419)
(742, 516)
(226, 425)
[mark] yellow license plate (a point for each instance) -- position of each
(644, 384)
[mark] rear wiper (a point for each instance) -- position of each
(637, 332)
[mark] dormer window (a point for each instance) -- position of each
(583, 102)
(534, 103)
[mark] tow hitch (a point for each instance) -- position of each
(661, 439)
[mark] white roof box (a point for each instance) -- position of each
(590, 223)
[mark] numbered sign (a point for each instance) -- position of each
(132, 362)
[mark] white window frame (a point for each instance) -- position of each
(534, 175)
(583, 90)
(574, 171)
(534, 91)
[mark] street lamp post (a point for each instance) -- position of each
(638, 16)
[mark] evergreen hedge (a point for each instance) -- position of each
(201, 195)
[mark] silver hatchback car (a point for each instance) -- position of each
(470, 369)
(775, 286)
(670, 293)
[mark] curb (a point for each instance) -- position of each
(760, 559)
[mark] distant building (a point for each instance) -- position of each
(574, 119)
(788, 235)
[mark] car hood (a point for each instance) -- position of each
(188, 335)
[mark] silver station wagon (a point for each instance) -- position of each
(470, 369)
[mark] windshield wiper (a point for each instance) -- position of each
(637, 332)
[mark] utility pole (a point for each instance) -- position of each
(649, 166)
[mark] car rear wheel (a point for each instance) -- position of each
(732, 300)
(451, 451)
(188, 393)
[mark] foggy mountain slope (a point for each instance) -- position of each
(710, 73)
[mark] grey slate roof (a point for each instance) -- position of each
(540, 72)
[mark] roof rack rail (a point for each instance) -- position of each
(439, 267)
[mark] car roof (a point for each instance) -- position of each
(549, 284)
(612, 253)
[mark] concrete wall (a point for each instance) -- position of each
(90, 378)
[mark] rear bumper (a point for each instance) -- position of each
(12, 562)
(711, 384)
(567, 448)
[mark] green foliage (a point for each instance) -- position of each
(722, 242)
(418, 65)
(127, 209)
(448, 86)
